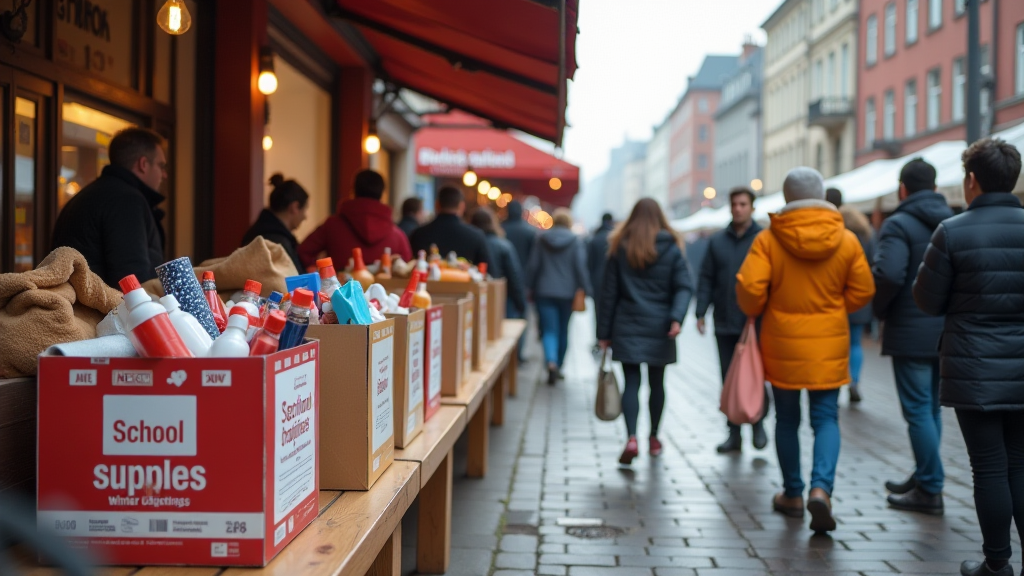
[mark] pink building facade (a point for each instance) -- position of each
(912, 73)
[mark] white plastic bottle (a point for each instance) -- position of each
(232, 343)
(191, 331)
(152, 332)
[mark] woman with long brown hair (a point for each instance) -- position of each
(643, 301)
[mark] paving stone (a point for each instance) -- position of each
(516, 560)
(618, 571)
(519, 543)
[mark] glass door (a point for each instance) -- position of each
(26, 140)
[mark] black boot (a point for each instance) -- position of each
(902, 487)
(918, 500)
(733, 444)
(760, 437)
(552, 374)
(971, 568)
(854, 393)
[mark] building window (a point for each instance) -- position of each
(934, 14)
(702, 133)
(702, 105)
(912, 19)
(844, 73)
(986, 69)
(910, 109)
(889, 116)
(702, 162)
(871, 42)
(830, 75)
(959, 89)
(819, 160)
(890, 29)
(934, 98)
(869, 122)
(818, 79)
(960, 7)
(1020, 59)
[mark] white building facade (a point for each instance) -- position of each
(831, 113)
(738, 136)
(786, 91)
(656, 166)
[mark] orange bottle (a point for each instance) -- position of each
(421, 299)
(359, 271)
(385, 266)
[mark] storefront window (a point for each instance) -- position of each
(24, 183)
(86, 134)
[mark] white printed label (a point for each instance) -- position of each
(132, 378)
(177, 525)
(82, 377)
(410, 425)
(415, 371)
(381, 374)
(217, 378)
(483, 315)
(149, 425)
(295, 447)
(280, 533)
(434, 377)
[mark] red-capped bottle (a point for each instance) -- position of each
(328, 278)
(220, 315)
(269, 339)
(250, 300)
(151, 327)
(410, 290)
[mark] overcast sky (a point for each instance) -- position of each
(634, 57)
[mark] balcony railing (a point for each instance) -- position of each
(830, 112)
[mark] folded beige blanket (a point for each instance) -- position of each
(60, 301)
(260, 260)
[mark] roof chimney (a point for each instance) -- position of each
(749, 47)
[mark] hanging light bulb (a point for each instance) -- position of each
(483, 187)
(174, 18)
(267, 80)
(372, 142)
(555, 183)
(268, 142)
(469, 178)
(494, 193)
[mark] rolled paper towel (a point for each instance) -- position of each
(114, 346)
(179, 280)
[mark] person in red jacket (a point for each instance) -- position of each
(363, 222)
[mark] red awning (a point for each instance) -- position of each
(505, 60)
(447, 146)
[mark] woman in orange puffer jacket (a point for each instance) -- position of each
(803, 276)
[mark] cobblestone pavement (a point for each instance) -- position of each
(692, 511)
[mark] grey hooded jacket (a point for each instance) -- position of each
(558, 265)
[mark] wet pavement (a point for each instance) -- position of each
(554, 473)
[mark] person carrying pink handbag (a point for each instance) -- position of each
(642, 302)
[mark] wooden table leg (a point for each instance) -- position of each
(389, 559)
(512, 370)
(498, 399)
(434, 540)
(479, 430)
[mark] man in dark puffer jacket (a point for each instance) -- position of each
(973, 272)
(909, 335)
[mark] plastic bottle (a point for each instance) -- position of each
(192, 333)
(435, 254)
(220, 316)
(329, 317)
(410, 290)
(421, 299)
(328, 277)
(298, 319)
(232, 343)
(385, 266)
(273, 303)
(250, 300)
(149, 324)
(359, 271)
(269, 338)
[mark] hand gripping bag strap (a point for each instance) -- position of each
(608, 404)
(743, 390)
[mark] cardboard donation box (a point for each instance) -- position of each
(434, 338)
(357, 440)
(194, 461)
(479, 291)
(457, 353)
(497, 298)
(410, 345)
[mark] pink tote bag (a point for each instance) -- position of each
(743, 392)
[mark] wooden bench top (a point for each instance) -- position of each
(439, 435)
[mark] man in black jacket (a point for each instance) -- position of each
(973, 272)
(909, 335)
(115, 221)
(519, 232)
(450, 233)
(597, 252)
(412, 215)
(726, 251)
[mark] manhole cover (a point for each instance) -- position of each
(595, 532)
(520, 529)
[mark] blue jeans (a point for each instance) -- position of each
(824, 421)
(856, 352)
(554, 316)
(917, 384)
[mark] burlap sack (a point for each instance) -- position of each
(260, 260)
(60, 301)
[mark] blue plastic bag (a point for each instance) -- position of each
(350, 304)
